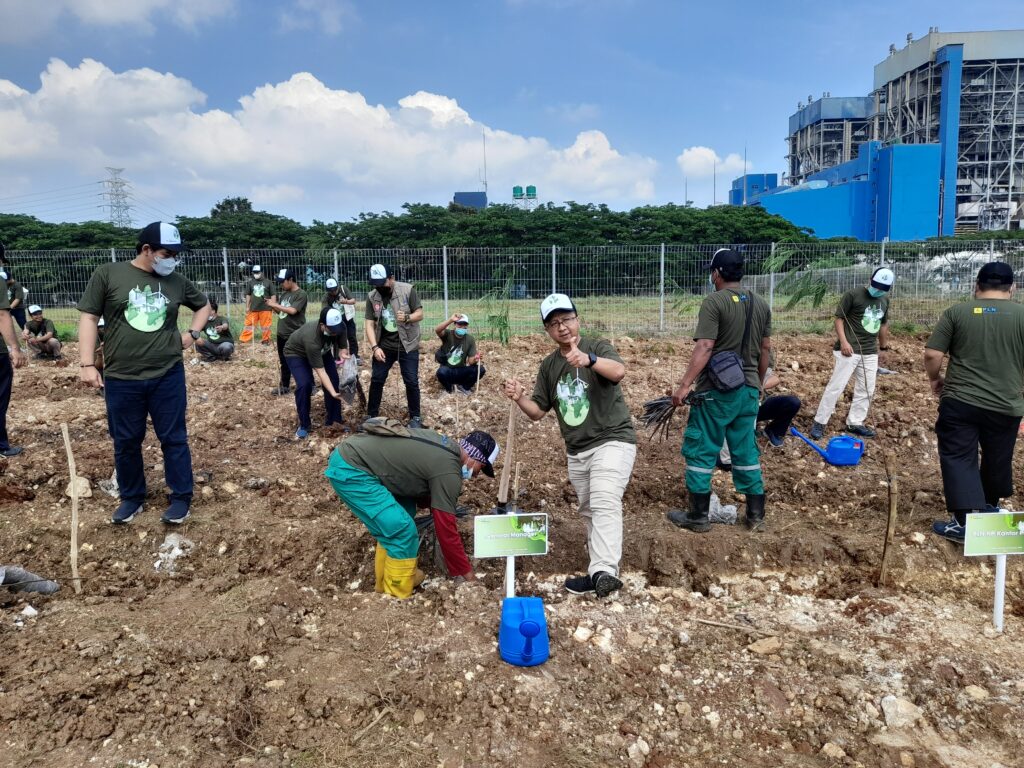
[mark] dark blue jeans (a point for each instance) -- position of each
(463, 376)
(779, 411)
(6, 377)
(19, 315)
(302, 371)
(163, 400)
(409, 364)
(353, 344)
(332, 405)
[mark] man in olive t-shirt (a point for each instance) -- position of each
(716, 415)
(15, 296)
(461, 365)
(862, 327)
(143, 373)
(339, 297)
(382, 478)
(8, 362)
(580, 380)
(40, 334)
(216, 343)
(304, 353)
(257, 311)
(981, 397)
(290, 305)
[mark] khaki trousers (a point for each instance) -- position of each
(863, 388)
(600, 476)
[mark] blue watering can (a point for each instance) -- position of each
(523, 637)
(842, 451)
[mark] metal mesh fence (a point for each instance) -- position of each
(640, 290)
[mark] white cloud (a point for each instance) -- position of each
(575, 113)
(327, 16)
(23, 21)
(298, 146)
(703, 162)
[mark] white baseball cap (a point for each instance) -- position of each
(556, 302)
(257, 269)
(334, 321)
(882, 279)
(462, 318)
(35, 309)
(331, 283)
(379, 274)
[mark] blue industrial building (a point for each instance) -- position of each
(471, 199)
(937, 148)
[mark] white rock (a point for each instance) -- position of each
(765, 646)
(917, 538)
(419, 717)
(84, 488)
(645, 748)
(713, 719)
(274, 685)
(229, 488)
(976, 692)
(833, 751)
(259, 662)
(900, 713)
(222, 548)
(582, 634)
(29, 612)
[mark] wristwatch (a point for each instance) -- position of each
(593, 359)
(194, 334)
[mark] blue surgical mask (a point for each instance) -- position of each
(461, 331)
(164, 267)
(467, 473)
(875, 293)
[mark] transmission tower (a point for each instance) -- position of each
(117, 199)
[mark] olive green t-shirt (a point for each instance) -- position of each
(4, 305)
(863, 317)
(409, 468)
(211, 332)
(258, 292)
(140, 308)
(15, 292)
(41, 328)
(334, 302)
(308, 343)
(288, 324)
(457, 349)
(721, 318)
(985, 342)
(387, 326)
(591, 410)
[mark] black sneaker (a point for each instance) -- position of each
(817, 431)
(177, 513)
(125, 513)
(579, 585)
(949, 529)
(860, 430)
(605, 583)
(415, 423)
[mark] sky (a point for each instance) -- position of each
(322, 109)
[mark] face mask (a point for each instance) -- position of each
(875, 293)
(467, 473)
(461, 331)
(711, 282)
(164, 267)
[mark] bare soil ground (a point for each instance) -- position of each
(263, 643)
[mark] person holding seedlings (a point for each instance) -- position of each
(291, 315)
(722, 385)
(339, 297)
(980, 397)
(383, 473)
(304, 353)
(392, 325)
(458, 355)
(581, 379)
(143, 374)
(862, 330)
(40, 335)
(218, 343)
(258, 292)
(10, 358)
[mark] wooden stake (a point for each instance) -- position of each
(74, 509)
(458, 432)
(890, 531)
(515, 483)
(506, 469)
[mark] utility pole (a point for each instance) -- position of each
(117, 199)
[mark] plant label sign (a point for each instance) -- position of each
(994, 533)
(510, 535)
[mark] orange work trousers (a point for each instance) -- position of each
(252, 319)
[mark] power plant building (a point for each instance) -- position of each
(960, 93)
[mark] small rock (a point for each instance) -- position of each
(833, 751)
(765, 646)
(917, 538)
(907, 760)
(645, 748)
(274, 685)
(222, 548)
(900, 713)
(256, 483)
(203, 476)
(84, 488)
(29, 612)
(207, 492)
(582, 634)
(713, 719)
(976, 692)
(230, 488)
(419, 717)
(259, 662)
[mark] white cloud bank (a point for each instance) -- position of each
(298, 144)
(702, 162)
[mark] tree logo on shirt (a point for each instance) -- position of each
(455, 356)
(872, 320)
(146, 311)
(573, 403)
(211, 332)
(284, 303)
(387, 316)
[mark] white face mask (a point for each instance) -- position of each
(164, 267)
(467, 473)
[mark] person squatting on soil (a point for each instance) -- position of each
(392, 326)
(310, 350)
(339, 297)
(738, 321)
(15, 296)
(143, 373)
(381, 478)
(291, 315)
(980, 397)
(580, 380)
(40, 335)
(862, 328)
(778, 410)
(10, 358)
(458, 356)
(218, 343)
(257, 311)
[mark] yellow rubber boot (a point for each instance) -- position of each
(378, 568)
(399, 577)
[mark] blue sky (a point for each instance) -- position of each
(325, 108)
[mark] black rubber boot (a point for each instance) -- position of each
(754, 517)
(696, 517)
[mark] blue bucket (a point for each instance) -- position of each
(523, 637)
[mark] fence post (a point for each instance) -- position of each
(337, 275)
(881, 258)
(227, 281)
(554, 259)
(113, 255)
(991, 250)
(771, 281)
(444, 277)
(661, 308)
